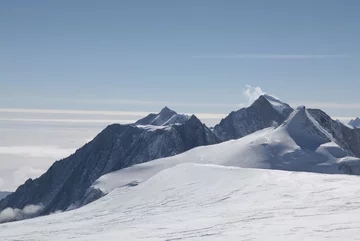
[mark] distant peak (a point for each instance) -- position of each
(274, 102)
(167, 110)
(355, 122)
(260, 101)
(193, 119)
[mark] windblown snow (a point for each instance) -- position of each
(209, 202)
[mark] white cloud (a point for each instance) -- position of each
(252, 93)
(14, 214)
(271, 56)
(37, 151)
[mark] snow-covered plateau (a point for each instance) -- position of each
(210, 202)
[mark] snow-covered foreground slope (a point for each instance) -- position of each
(208, 202)
(299, 144)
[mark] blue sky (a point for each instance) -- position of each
(93, 55)
(69, 68)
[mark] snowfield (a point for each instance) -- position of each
(209, 202)
(279, 183)
(299, 144)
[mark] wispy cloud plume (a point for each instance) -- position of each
(270, 56)
(252, 93)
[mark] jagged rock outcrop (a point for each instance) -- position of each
(116, 147)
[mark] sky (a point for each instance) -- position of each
(69, 68)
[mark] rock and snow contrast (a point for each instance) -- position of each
(355, 123)
(168, 177)
(118, 146)
(265, 112)
(209, 202)
(165, 117)
(299, 144)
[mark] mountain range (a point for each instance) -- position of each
(268, 134)
(116, 147)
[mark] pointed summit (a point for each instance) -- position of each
(265, 112)
(355, 123)
(269, 100)
(165, 117)
(166, 110)
(277, 104)
(305, 130)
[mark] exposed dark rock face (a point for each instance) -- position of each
(345, 137)
(261, 114)
(116, 147)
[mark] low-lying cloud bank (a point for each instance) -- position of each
(15, 214)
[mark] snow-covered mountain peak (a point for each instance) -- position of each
(305, 130)
(266, 111)
(355, 123)
(266, 101)
(165, 117)
(167, 111)
(276, 103)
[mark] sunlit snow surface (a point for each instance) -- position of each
(200, 195)
(208, 202)
(299, 144)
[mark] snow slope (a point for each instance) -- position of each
(208, 202)
(299, 144)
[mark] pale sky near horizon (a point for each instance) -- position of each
(68, 68)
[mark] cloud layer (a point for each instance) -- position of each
(37, 151)
(15, 214)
